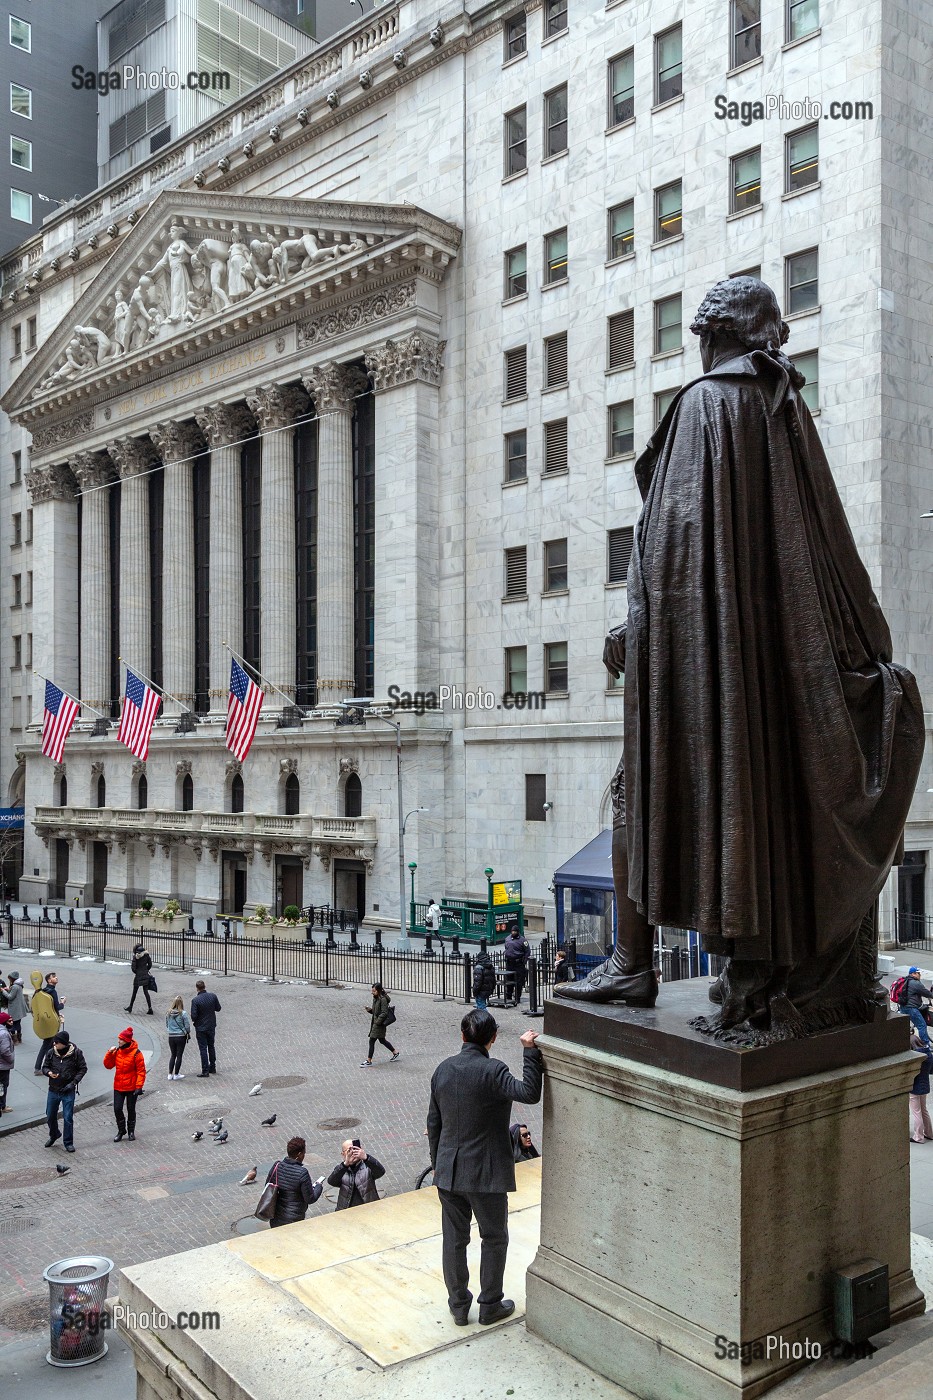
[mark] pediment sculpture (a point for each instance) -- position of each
(193, 278)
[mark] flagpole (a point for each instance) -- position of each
(166, 695)
(78, 701)
(265, 681)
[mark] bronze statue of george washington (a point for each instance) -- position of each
(771, 744)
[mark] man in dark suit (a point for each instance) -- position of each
(471, 1153)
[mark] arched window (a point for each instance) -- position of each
(187, 794)
(353, 797)
(292, 795)
(236, 793)
(142, 793)
(63, 791)
(101, 791)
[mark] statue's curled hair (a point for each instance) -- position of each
(745, 309)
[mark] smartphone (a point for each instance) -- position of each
(356, 1143)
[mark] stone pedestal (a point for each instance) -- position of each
(704, 1214)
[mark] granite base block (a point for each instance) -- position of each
(704, 1215)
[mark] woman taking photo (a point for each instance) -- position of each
(178, 1025)
(381, 1015)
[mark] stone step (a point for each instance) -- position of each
(902, 1367)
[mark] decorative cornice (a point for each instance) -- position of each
(54, 483)
(133, 456)
(332, 386)
(277, 406)
(64, 431)
(92, 469)
(177, 441)
(224, 424)
(357, 314)
(403, 361)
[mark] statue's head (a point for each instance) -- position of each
(177, 230)
(742, 309)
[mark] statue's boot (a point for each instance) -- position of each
(628, 976)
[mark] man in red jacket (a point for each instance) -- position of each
(126, 1059)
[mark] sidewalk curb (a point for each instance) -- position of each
(34, 1122)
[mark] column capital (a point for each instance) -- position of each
(54, 483)
(333, 386)
(92, 469)
(177, 439)
(398, 362)
(277, 405)
(133, 456)
(224, 424)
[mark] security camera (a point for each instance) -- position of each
(548, 806)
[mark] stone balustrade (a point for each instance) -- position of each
(135, 822)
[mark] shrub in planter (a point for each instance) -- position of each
(146, 906)
(291, 913)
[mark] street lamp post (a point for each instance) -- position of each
(489, 872)
(412, 866)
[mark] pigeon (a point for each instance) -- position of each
(221, 1137)
(267, 1122)
(256, 1089)
(249, 1177)
(63, 1171)
(216, 1123)
(196, 1137)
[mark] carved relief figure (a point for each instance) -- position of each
(99, 344)
(121, 311)
(138, 315)
(262, 256)
(240, 274)
(176, 262)
(212, 255)
(310, 251)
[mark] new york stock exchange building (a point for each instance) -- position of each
(348, 382)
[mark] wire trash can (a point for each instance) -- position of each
(77, 1320)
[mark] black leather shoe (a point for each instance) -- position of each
(609, 983)
(52, 1141)
(131, 1137)
(69, 1149)
(497, 1312)
(119, 1137)
(461, 1316)
(204, 1074)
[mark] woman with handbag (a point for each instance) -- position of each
(289, 1190)
(381, 1014)
(178, 1025)
(142, 977)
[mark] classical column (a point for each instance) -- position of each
(177, 443)
(406, 374)
(55, 586)
(333, 388)
(95, 473)
(135, 457)
(225, 425)
(275, 409)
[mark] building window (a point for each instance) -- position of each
(622, 229)
(555, 121)
(516, 272)
(63, 791)
(662, 403)
(809, 366)
(516, 670)
(668, 325)
(516, 455)
(668, 211)
(745, 180)
(236, 793)
(803, 18)
(31, 334)
(515, 32)
(668, 65)
(622, 88)
(17, 591)
(748, 272)
(21, 206)
(17, 468)
(353, 796)
(139, 121)
(516, 572)
(620, 544)
(516, 373)
(29, 589)
(555, 17)
(142, 793)
(802, 281)
(555, 668)
(17, 340)
(101, 792)
(555, 361)
(621, 428)
(555, 256)
(746, 31)
(535, 797)
(28, 539)
(20, 153)
(17, 653)
(187, 793)
(292, 795)
(516, 142)
(555, 446)
(21, 34)
(29, 651)
(803, 158)
(20, 100)
(17, 529)
(555, 566)
(621, 339)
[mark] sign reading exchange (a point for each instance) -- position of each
(202, 377)
(12, 818)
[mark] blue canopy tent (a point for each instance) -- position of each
(584, 900)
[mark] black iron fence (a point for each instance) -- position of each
(913, 931)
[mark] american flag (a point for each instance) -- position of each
(138, 715)
(242, 711)
(60, 714)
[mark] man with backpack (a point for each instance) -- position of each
(484, 979)
(517, 953)
(910, 994)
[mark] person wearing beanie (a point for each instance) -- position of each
(913, 995)
(142, 971)
(64, 1066)
(6, 1057)
(126, 1060)
(16, 1005)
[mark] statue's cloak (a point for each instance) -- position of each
(771, 744)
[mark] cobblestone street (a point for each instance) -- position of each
(165, 1193)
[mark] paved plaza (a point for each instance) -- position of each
(165, 1193)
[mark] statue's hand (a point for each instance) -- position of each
(614, 652)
